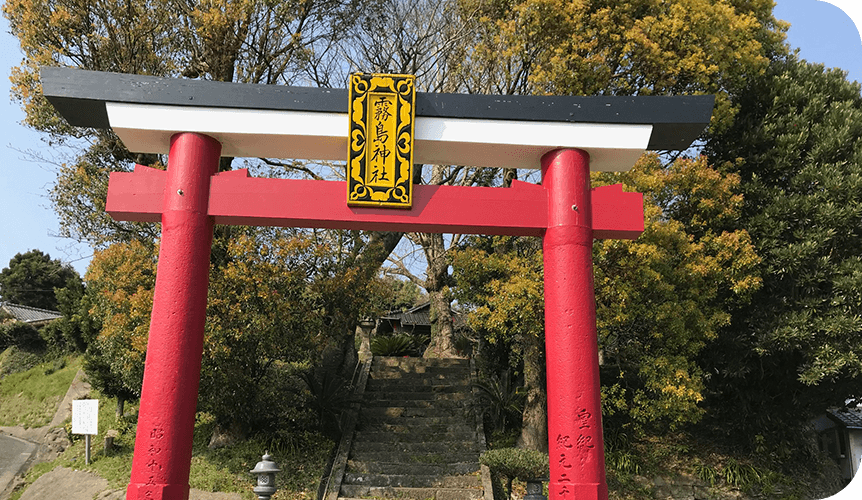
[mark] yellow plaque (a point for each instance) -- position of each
(380, 144)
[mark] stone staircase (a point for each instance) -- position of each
(417, 435)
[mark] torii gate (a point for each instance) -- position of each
(196, 122)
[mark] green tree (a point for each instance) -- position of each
(284, 297)
(280, 298)
(500, 280)
(32, 278)
(249, 41)
(643, 47)
(118, 301)
(660, 299)
(66, 334)
(797, 146)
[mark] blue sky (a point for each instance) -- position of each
(821, 31)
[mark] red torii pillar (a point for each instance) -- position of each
(163, 444)
(190, 197)
(575, 443)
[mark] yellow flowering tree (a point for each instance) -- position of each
(279, 298)
(606, 47)
(660, 299)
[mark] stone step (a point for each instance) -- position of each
(381, 361)
(446, 414)
(416, 425)
(420, 372)
(358, 491)
(379, 418)
(451, 469)
(420, 447)
(414, 437)
(417, 385)
(414, 403)
(371, 396)
(447, 377)
(415, 458)
(411, 480)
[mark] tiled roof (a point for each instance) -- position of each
(851, 418)
(27, 314)
(421, 316)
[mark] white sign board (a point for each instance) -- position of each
(85, 416)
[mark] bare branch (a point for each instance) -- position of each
(292, 166)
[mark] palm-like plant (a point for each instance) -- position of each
(504, 400)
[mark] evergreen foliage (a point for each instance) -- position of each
(18, 334)
(795, 350)
(660, 299)
(515, 463)
(399, 344)
(279, 299)
(32, 278)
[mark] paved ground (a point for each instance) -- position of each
(19, 445)
(81, 485)
(38, 443)
(14, 453)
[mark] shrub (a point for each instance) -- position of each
(330, 395)
(399, 344)
(20, 335)
(516, 463)
(503, 401)
(63, 335)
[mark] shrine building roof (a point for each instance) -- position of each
(850, 418)
(311, 123)
(27, 314)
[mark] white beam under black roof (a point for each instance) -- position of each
(311, 123)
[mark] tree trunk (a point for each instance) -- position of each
(121, 407)
(341, 357)
(442, 345)
(534, 419)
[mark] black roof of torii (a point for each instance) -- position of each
(83, 99)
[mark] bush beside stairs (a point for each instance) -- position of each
(417, 435)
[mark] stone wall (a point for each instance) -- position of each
(686, 487)
(824, 481)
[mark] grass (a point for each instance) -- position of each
(31, 387)
(226, 470)
(630, 462)
(29, 398)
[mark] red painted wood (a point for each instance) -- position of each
(436, 209)
(190, 197)
(576, 449)
(617, 215)
(236, 199)
(163, 444)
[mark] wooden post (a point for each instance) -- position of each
(163, 444)
(576, 447)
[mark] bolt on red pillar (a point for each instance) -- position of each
(163, 445)
(575, 443)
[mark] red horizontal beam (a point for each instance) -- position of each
(236, 199)
(617, 215)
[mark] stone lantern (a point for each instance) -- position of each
(366, 328)
(265, 470)
(534, 490)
